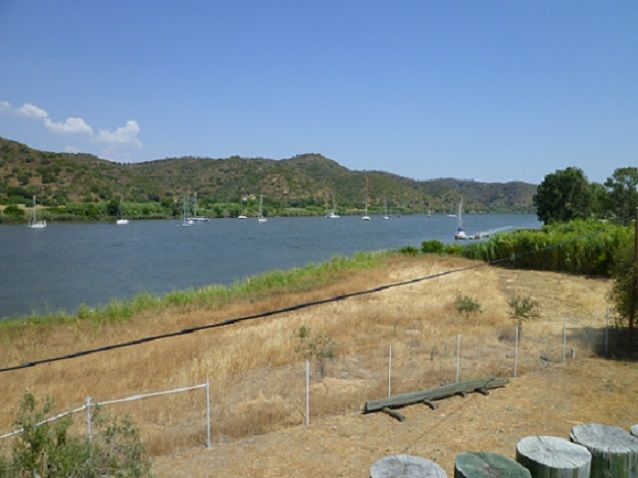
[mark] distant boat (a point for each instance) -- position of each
(365, 217)
(385, 208)
(260, 216)
(333, 214)
(460, 232)
(186, 221)
(196, 218)
(120, 221)
(33, 222)
(243, 211)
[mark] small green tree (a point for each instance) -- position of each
(14, 211)
(466, 305)
(47, 450)
(523, 307)
(321, 348)
(624, 290)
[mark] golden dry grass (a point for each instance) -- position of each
(256, 375)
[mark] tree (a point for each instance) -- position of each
(14, 211)
(624, 291)
(622, 192)
(564, 195)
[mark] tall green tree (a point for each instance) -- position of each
(622, 193)
(564, 195)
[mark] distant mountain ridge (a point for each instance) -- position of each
(301, 181)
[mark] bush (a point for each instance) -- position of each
(432, 247)
(49, 451)
(466, 305)
(409, 250)
(523, 308)
(14, 211)
(624, 285)
(321, 348)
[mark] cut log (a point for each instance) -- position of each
(394, 414)
(404, 399)
(634, 430)
(553, 457)
(488, 465)
(406, 466)
(614, 451)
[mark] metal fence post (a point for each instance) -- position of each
(207, 413)
(89, 430)
(564, 343)
(517, 337)
(307, 392)
(389, 370)
(606, 331)
(458, 358)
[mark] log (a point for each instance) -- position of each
(394, 414)
(406, 466)
(401, 400)
(614, 451)
(634, 430)
(553, 457)
(488, 465)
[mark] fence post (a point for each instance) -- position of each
(564, 343)
(389, 370)
(307, 392)
(606, 331)
(207, 413)
(458, 358)
(517, 336)
(89, 431)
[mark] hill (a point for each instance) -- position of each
(304, 181)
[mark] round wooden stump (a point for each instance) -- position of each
(634, 430)
(614, 451)
(553, 457)
(488, 465)
(406, 466)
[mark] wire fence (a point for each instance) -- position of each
(269, 398)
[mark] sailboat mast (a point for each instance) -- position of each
(460, 213)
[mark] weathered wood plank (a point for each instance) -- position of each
(406, 466)
(634, 430)
(553, 457)
(614, 451)
(404, 399)
(488, 465)
(394, 414)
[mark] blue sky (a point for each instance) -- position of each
(471, 89)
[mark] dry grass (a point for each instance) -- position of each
(256, 375)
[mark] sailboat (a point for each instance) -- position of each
(260, 216)
(460, 234)
(195, 217)
(385, 208)
(33, 222)
(333, 214)
(243, 210)
(186, 221)
(120, 221)
(365, 217)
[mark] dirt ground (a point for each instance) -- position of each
(547, 402)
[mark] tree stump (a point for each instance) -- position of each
(614, 451)
(553, 457)
(634, 430)
(488, 465)
(406, 466)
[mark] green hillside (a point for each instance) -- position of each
(305, 182)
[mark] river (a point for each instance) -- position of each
(64, 265)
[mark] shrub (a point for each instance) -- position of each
(321, 348)
(523, 308)
(466, 305)
(49, 451)
(432, 247)
(14, 211)
(409, 250)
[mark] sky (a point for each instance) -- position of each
(487, 90)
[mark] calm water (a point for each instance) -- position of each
(64, 265)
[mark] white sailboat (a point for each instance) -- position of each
(460, 234)
(365, 217)
(385, 208)
(333, 214)
(186, 221)
(120, 221)
(243, 211)
(260, 216)
(33, 222)
(196, 218)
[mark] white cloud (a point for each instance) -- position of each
(32, 111)
(5, 106)
(70, 126)
(124, 135)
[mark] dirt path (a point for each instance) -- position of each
(548, 402)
